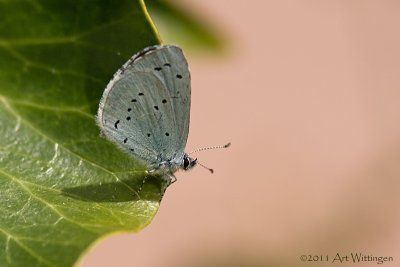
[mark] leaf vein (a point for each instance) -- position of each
(17, 115)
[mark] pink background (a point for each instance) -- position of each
(309, 95)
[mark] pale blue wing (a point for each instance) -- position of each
(170, 65)
(145, 108)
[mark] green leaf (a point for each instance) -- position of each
(62, 186)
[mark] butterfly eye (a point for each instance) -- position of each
(186, 162)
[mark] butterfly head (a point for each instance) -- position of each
(188, 162)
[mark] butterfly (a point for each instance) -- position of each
(145, 110)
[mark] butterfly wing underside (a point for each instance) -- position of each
(145, 108)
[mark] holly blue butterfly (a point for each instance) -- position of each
(145, 110)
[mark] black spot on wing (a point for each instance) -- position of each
(116, 124)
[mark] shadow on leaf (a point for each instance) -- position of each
(134, 189)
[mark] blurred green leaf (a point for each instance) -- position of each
(61, 185)
(180, 25)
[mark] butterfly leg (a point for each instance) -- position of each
(169, 179)
(148, 173)
(172, 178)
(143, 182)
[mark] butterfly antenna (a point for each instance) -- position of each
(211, 170)
(208, 148)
